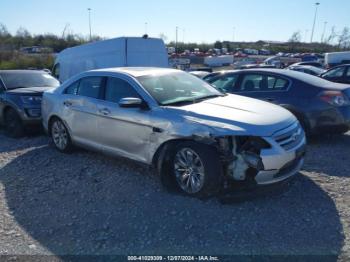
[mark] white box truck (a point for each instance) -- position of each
(336, 58)
(117, 52)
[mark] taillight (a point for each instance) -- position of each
(335, 98)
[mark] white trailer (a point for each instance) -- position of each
(222, 60)
(336, 58)
(117, 52)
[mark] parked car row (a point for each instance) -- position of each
(200, 135)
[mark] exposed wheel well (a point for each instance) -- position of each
(7, 108)
(4, 111)
(159, 155)
(50, 123)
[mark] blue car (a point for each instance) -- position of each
(320, 105)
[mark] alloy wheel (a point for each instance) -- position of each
(59, 135)
(189, 170)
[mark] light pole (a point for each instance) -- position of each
(146, 28)
(324, 31)
(89, 10)
(313, 26)
(176, 38)
(306, 31)
(233, 34)
(183, 35)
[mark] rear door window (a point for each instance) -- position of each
(276, 83)
(262, 82)
(251, 83)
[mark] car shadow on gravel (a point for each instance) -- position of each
(88, 204)
(329, 155)
(13, 144)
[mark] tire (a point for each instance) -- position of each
(13, 124)
(200, 178)
(305, 126)
(303, 122)
(60, 136)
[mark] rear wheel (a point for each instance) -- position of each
(13, 124)
(60, 136)
(195, 169)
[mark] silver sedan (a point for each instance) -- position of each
(197, 137)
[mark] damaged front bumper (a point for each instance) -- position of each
(280, 160)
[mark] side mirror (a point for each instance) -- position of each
(131, 102)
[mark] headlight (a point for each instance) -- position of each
(31, 99)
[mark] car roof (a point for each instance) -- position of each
(137, 71)
(22, 71)
(342, 65)
(306, 67)
(308, 62)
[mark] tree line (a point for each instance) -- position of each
(12, 58)
(10, 45)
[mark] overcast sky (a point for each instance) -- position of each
(198, 20)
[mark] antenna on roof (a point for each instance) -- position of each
(145, 36)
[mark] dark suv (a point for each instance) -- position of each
(20, 99)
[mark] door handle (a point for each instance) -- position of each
(68, 103)
(270, 99)
(105, 111)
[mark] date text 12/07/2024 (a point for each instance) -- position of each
(173, 258)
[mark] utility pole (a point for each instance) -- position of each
(313, 27)
(183, 35)
(305, 38)
(324, 31)
(176, 38)
(89, 10)
(233, 34)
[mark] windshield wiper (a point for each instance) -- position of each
(199, 99)
(193, 100)
(181, 102)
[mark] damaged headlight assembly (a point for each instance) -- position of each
(245, 151)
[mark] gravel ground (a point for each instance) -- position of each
(90, 204)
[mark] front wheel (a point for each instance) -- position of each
(60, 136)
(13, 124)
(195, 168)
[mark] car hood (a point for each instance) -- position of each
(234, 114)
(28, 90)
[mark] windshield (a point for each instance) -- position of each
(177, 87)
(14, 80)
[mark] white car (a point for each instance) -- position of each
(196, 136)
